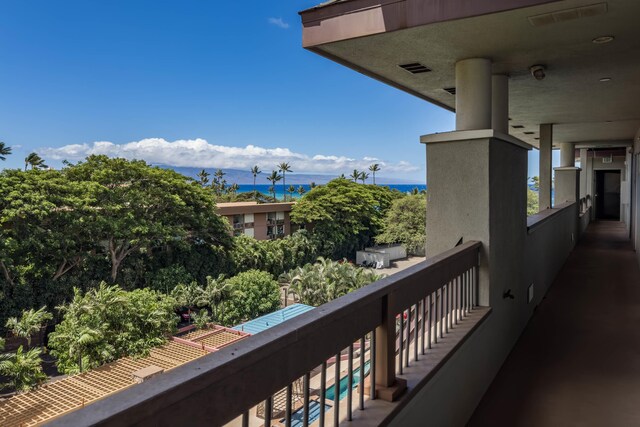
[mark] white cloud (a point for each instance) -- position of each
(278, 22)
(200, 153)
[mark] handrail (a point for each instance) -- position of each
(217, 388)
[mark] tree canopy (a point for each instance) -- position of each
(405, 223)
(345, 215)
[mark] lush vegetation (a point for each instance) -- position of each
(405, 223)
(103, 220)
(326, 280)
(108, 322)
(345, 215)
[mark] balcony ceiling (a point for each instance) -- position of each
(374, 37)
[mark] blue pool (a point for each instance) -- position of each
(297, 418)
(331, 393)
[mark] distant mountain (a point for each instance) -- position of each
(237, 176)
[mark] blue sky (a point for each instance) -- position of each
(196, 83)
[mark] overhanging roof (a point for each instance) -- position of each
(374, 37)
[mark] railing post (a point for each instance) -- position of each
(388, 386)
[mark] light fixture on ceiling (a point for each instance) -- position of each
(603, 39)
(605, 79)
(538, 71)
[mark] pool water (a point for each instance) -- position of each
(331, 391)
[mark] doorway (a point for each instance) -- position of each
(608, 194)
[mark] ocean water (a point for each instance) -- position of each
(247, 188)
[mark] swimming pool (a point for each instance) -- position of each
(331, 391)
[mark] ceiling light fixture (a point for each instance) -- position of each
(605, 79)
(603, 39)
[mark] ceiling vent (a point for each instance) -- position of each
(568, 14)
(517, 127)
(450, 90)
(415, 68)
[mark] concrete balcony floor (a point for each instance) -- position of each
(578, 361)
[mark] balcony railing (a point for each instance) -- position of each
(296, 370)
(238, 225)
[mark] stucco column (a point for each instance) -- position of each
(476, 192)
(473, 94)
(546, 149)
(583, 172)
(567, 155)
(500, 103)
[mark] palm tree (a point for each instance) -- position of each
(204, 177)
(34, 161)
(291, 190)
(301, 190)
(219, 183)
(233, 188)
(82, 341)
(364, 176)
(355, 176)
(273, 178)
(284, 168)
(255, 171)
(4, 151)
(30, 323)
(214, 295)
(24, 369)
(313, 185)
(374, 168)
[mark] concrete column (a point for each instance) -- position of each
(567, 184)
(567, 155)
(546, 149)
(583, 172)
(476, 192)
(473, 94)
(500, 103)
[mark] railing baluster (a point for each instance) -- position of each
(372, 367)
(423, 323)
(446, 308)
(305, 407)
(430, 321)
(323, 392)
(287, 412)
(336, 392)
(401, 340)
(416, 329)
(350, 383)
(362, 373)
(407, 348)
(268, 410)
(441, 314)
(245, 419)
(457, 312)
(476, 286)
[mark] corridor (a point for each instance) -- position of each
(578, 361)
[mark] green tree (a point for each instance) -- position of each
(273, 179)
(142, 208)
(23, 369)
(31, 322)
(214, 295)
(374, 168)
(218, 183)
(345, 216)
(291, 190)
(5, 150)
(355, 175)
(255, 171)
(35, 161)
(535, 183)
(364, 176)
(284, 168)
(405, 223)
(252, 294)
(301, 190)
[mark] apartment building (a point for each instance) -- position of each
(260, 221)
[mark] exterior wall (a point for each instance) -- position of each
(258, 215)
(260, 226)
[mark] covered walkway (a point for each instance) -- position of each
(578, 361)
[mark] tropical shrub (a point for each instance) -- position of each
(23, 369)
(107, 323)
(326, 280)
(251, 294)
(31, 322)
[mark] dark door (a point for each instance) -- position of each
(608, 194)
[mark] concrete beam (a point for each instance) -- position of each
(546, 149)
